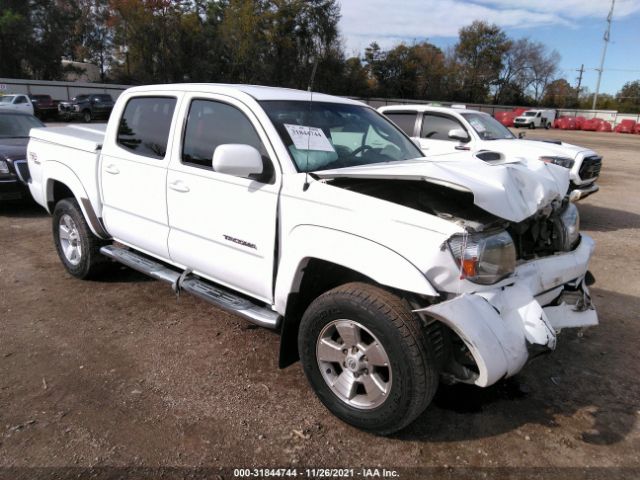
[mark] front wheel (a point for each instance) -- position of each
(365, 355)
(77, 246)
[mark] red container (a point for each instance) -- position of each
(505, 118)
(604, 127)
(591, 125)
(519, 111)
(637, 129)
(626, 126)
(579, 122)
(566, 123)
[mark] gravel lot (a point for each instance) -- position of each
(121, 373)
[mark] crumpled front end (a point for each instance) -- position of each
(505, 326)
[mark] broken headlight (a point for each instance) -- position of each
(565, 162)
(570, 220)
(484, 258)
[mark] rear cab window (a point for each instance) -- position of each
(145, 124)
(405, 120)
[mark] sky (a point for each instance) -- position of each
(574, 28)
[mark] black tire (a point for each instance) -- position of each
(532, 126)
(86, 116)
(89, 262)
(411, 365)
(547, 125)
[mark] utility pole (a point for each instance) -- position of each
(604, 53)
(579, 83)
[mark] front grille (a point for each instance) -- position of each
(590, 167)
(64, 108)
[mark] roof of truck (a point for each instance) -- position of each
(258, 92)
(426, 108)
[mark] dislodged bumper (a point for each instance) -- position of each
(502, 325)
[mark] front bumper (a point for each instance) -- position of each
(501, 326)
(12, 189)
(580, 192)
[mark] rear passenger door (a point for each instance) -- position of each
(223, 227)
(434, 134)
(133, 172)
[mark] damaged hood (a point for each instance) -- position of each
(513, 191)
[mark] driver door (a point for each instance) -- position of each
(434, 134)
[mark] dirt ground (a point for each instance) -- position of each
(121, 373)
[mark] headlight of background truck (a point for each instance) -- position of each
(562, 161)
(4, 168)
(484, 258)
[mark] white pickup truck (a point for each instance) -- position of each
(384, 273)
(535, 119)
(444, 130)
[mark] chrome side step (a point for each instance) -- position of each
(217, 295)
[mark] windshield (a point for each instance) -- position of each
(322, 136)
(16, 126)
(6, 99)
(488, 127)
(529, 114)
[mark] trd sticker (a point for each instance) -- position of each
(240, 242)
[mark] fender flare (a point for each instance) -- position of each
(381, 264)
(57, 172)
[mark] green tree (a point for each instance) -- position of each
(628, 98)
(14, 37)
(560, 94)
(479, 53)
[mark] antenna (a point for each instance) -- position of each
(604, 53)
(310, 90)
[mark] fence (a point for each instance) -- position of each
(68, 90)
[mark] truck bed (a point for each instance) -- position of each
(69, 152)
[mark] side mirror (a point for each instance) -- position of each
(521, 135)
(459, 134)
(237, 160)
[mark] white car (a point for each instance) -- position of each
(17, 103)
(535, 119)
(381, 271)
(439, 130)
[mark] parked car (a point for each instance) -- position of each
(86, 107)
(16, 103)
(44, 106)
(382, 271)
(14, 136)
(441, 130)
(535, 118)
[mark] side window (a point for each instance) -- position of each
(211, 124)
(21, 99)
(405, 120)
(436, 127)
(144, 126)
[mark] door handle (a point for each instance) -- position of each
(179, 186)
(112, 169)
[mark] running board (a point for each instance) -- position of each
(219, 296)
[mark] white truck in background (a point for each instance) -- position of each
(439, 130)
(382, 272)
(535, 119)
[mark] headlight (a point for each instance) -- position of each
(570, 219)
(484, 258)
(4, 168)
(562, 161)
(76, 108)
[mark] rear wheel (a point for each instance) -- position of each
(77, 246)
(367, 358)
(86, 116)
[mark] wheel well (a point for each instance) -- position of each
(60, 191)
(319, 276)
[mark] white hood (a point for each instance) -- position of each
(536, 148)
(512, 191)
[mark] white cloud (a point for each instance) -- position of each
(389, 22)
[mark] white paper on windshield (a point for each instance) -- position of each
(475, 123)
(309, 138)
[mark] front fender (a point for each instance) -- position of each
(362, 255)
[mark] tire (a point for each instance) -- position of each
(368, 395)
(532, 126)
(547, 125)
(86, 116)
(77, 246)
